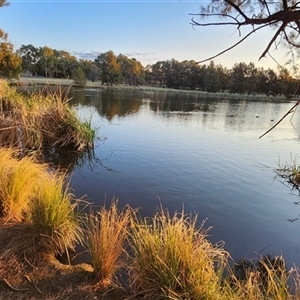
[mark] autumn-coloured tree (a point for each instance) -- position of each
(10, 62)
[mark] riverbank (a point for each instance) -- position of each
(41, 81)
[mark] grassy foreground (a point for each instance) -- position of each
(125, 256)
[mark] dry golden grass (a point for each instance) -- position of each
(172, 259)
(18, 183)
(106, 234)
(54, 215)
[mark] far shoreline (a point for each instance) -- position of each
(42, 81)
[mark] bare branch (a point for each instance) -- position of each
(237, 9)
(233, 46)
(280, 29)
(289, 112)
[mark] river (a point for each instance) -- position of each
(203, 155)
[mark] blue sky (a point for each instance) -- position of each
(147, 30)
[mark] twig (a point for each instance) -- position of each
(13, 288)
(30, 264)
(289, 112)
(33, 283)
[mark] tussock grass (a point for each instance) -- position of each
(54, 215)
(105, 238)
(267, 279)
(29, 191)
(18, 183)
(40, 119)
(172, 259)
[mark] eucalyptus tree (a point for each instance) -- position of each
(65, 64)
(90, 69)
(158, 73)
(212, 81)
(132, 70)
(10, 62)
(282, 16)
(237, 82)
(110, 69)
(30, 56)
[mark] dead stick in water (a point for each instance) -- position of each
(289, 112)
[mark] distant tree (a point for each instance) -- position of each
(30, 56)
(10, 62)
(286, 82)
(90, 69)
(132, 70)
(79, 77)
(238, 75)
(158, 73)
(281, 15)
(109, 67)
(212, 80)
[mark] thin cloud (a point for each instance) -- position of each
(86, 55)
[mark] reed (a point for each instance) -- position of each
(105, 238)
(172, 259)
(290, 172)
(54, 215)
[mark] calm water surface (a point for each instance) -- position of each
(200, 154)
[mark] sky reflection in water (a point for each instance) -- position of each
(200, 154)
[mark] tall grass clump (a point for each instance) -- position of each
(39, 119)
(54, 215)
(18, 183)
(105, 239)
(266, 279)
(172, 259)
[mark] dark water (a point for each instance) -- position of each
(201, 154)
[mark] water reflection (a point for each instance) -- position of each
(202, 153)
(67, 160)
(234, 114)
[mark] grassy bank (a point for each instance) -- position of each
(165, 256)
(39, 81)
(32, 121)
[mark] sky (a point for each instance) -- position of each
(149, 31)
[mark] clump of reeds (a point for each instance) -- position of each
(39, 119)
(105, 239)
(172, 259)
(290, 172)
(266, 279)
(18, 183)
(54, 215)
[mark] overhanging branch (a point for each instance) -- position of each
(233, 46)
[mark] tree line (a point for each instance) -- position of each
(112, 69)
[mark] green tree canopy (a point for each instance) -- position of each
(110, 68)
